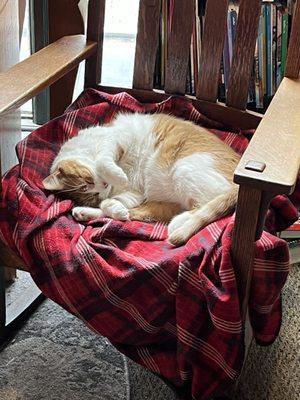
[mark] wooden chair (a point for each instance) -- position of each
(271, 162)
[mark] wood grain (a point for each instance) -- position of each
(242, 247)
(22, 7)
(95, 31)
(212, 49)
(292, 69)
(10, 128)
(276, 143)
(146, 44)
(60, 26)
(29, 77)
(182, 21)
(243, 53)
(218, 112)
(266, 198)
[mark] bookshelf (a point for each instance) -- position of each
(269, 58)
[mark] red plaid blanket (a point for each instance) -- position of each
(173, 310)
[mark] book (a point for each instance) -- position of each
(284, 41)
(269, 47)
(278, 50)
(233, 18)
(262, 51)
(258, 82)
(226, 52)
(274, 46)
(292, 231)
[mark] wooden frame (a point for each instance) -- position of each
(278, 132)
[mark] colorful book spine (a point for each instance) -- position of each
(269, 50)
(274, 46)
(261, 54)
(284, 41)
(278, 51)
(258, 82)
(263, 51)
(233, 18)
(226, 52)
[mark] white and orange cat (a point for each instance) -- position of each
(148, 167)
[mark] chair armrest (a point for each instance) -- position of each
(29, 77)
(275, 144)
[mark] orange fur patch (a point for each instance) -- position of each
(74, 171)
(155, 211)
(74, 174)
(176, 138)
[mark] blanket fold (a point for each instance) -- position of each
(173, 310)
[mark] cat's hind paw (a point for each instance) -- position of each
(179, 237)
(86, 213)
(180, 229)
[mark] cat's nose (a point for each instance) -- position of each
(105, 184)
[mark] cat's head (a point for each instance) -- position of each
(75, 180)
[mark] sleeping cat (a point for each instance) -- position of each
(148, 167)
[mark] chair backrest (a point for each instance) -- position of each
(214, 30)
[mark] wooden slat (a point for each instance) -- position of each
(243, 53)
(276, 143)
(292, 69)
(10, 127)
(218, 112)
(95, 31)
(242, 248)
(182, 20)
(146, 44)
(266, 198)
(212, 49)
(29, 77)
(60, 26)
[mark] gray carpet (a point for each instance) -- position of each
(55, 357)
(273, 372)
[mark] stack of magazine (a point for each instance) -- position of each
(292, 236)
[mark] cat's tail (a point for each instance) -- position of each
(184, 225)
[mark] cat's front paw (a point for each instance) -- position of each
(86, 213)
(114, 209)
(112, 174)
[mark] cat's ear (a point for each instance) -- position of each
(52, 182)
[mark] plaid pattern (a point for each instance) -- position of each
(173, 310)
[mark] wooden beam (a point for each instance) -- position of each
(60, 26)
(243, 53)
(29, 77)
(181, 20)
(146, 44)
(95, 32)
(292, 68)
(276, 144)
(218, 112)
(212, 49)
(242, 248)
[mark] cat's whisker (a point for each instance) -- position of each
(73, 189)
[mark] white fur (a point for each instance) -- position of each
(86, 213)
(137, 176)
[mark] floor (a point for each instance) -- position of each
(55, 357)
